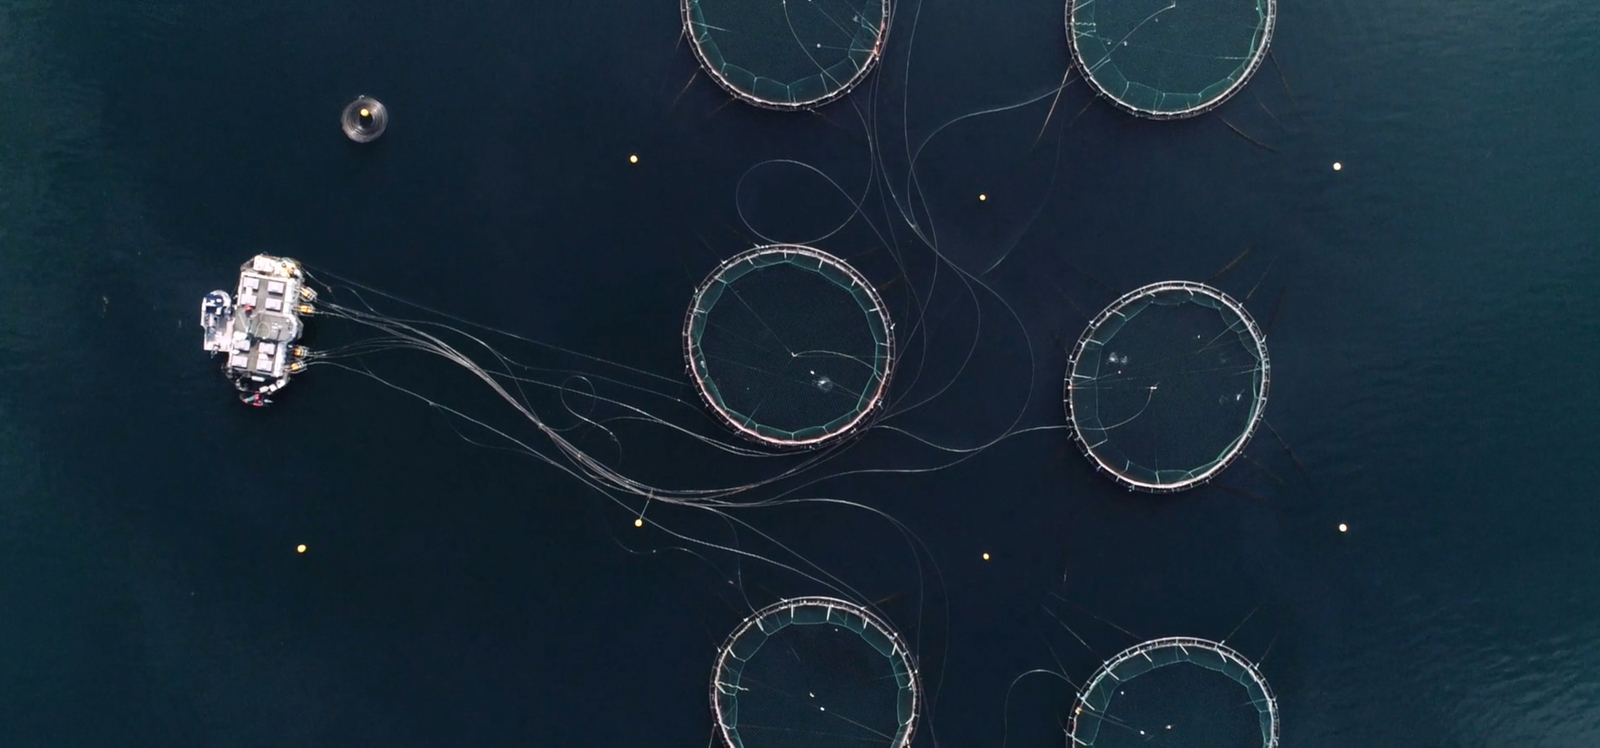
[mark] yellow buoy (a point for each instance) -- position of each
(982, 197)
(300, 548)
(986, 557)
(633, 159)
(365, 112)
(638, 522)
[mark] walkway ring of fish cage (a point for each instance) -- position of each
(695, 27)
(1258, 338)
(775, 617)
(1265, 701)
(873, 307)
(364, 119)
(1204, 102)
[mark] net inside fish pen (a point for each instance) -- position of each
(1167, 385)
(1167, 59)
(778, 54)
(815, 672)
(1176, 691)
(789, 346)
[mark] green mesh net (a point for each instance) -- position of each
(789, 345)
(1169, 58)
(787, 55)
(815, 672)
(1176, 691)
(1167, 385)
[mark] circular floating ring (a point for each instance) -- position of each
(789, 346)
(815, 672)
(364, 119)
(781, 55)
(1169, 59)
(1167, 385)
(1089, 713)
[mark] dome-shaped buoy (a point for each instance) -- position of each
(364, 119)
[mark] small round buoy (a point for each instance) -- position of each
(986, 557)
(300, 548)
(982, 197)
(638, 522)
(364, 119)
(1337, 166)
(633, 159)
(1344, 527)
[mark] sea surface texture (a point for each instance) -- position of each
(1430, 307)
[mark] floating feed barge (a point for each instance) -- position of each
(257, 327)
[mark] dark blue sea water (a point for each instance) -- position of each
(1431, 311)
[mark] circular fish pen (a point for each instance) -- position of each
(784, 55)
(815, 672)
(1116, 707)
(1167, 385)
(789, 346)
(364, 119)
(1169, 59)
